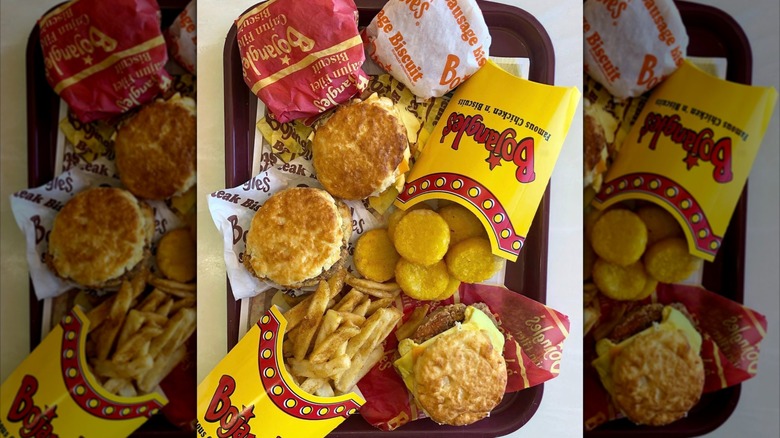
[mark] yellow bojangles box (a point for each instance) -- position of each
(61, 397)
(493, 151)
(690, 151)
(250, 393)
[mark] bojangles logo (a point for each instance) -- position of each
(35, 422)
(697, 145)
(232, 422)
(502, 146)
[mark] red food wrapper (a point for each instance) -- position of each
(302, 58)
(104, 58)
(182, 38)
(731, 334)
(532, 350)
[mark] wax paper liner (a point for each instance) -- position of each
(35, 209)
(533, 351)
(104, 58)
(301, 58)
(731, 335)
(232, 210)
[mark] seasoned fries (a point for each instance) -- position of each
(329, 349)
(135, 340)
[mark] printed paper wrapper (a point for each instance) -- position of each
(690, 152)
(533, 351)
(233, 209)
(182, 37)
(630, 47)
(54, 393)
(35, 209)
(615, 117)
(494, 152)
(104, 58)
(251, 393)
(731, 334)
(432, 47)
(301, 58)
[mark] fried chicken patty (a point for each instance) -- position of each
(642, 318)
(444, 318)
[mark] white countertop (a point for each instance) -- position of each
(559, 415)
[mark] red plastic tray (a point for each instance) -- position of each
(43, 108)
(515, 33)
(712, 33)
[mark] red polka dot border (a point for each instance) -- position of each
(279, 390)
(475, 194)
(670, 193)
(79, 387)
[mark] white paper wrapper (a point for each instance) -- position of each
(630, 46)
(35, 209)
(182, 38)
(431, 47)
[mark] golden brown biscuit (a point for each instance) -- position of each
(297, 236)
(460, 378)
(658, 377)
(360, 149)
(100, 235)
(155, 149)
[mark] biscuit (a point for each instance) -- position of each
(359, 150)
(460, 377)
(100, 235)
(297, 236)
(156, 149)
(658, 377)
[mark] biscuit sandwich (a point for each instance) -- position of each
(453, 364)
(100, 237)
(155, 149)
(651, 366)
(362, 149)
(298, 237)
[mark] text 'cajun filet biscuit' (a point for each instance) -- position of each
(100, 235)
(361, 150)
(298, 237)
(155, 149)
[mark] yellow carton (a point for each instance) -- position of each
(691, 151)
(493, 151)
(251, 394)
(53, 392)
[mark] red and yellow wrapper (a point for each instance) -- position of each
(691, 151)
(533, 351)
(301, 58)
(53, 392)
(731, 334)
(251, 393)
(494, 152)
(104, 58)
(182, 37)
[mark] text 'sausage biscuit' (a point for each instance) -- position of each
(431, 47)
(630, 47)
